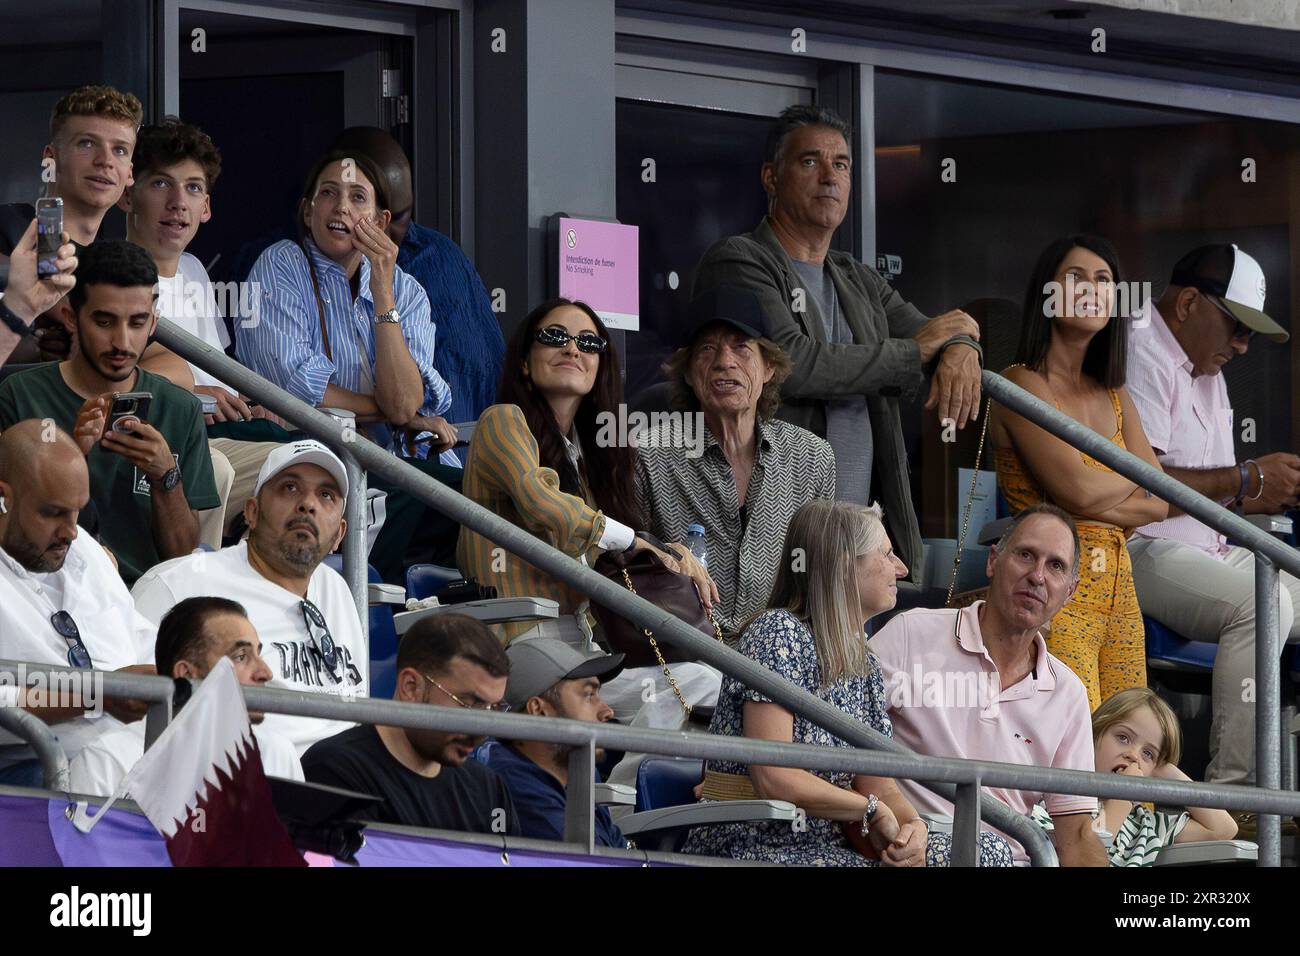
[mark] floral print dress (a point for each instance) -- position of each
(784, 644)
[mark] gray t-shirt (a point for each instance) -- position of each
(848, 424)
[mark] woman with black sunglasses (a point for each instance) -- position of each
(536, 460)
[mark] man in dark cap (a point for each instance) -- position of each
(1187, 577)
(548, 678)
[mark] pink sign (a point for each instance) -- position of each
(599, 264)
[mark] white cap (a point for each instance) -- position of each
(307, 451)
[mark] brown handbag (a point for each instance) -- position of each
(643, 573)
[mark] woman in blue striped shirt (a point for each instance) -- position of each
(339, 325)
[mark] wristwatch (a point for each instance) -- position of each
(169, 480)
(392, 315)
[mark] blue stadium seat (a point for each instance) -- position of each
(426, 580)
(1170, 651)
(383, 638)
(667, 782)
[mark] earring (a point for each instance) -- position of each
(3, 509)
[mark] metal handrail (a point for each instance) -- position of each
(29, 727)
(746, 750)
(576, 574)
(1270, 554)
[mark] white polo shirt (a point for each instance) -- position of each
(89, 588)
(101, 765)
(287, 646)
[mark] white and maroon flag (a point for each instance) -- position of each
(203, 788)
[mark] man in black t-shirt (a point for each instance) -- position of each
(425, 778)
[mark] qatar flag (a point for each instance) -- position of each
(202, 786)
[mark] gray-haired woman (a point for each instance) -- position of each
(840, 570)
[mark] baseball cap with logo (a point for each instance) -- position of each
(539, 663)
(305, 452)
(1234, 277)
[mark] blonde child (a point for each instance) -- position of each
(1136, 733)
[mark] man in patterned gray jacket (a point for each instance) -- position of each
(856, 347)
(750, 473)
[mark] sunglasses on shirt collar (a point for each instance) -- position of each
(557, 338)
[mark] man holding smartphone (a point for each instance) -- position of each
(28, 293)
(153, 477)
(92, 135)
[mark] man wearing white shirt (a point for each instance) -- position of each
(303, 611)
(192, 638)
(176, 165)
(62, 601)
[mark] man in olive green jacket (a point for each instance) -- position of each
(857, 348)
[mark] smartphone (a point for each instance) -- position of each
(49, 235)
(128, 407)
(208, 403)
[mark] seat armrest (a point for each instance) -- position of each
(707, 814)
(936, 822)
(386, 594)
(990, 533)
(1273, 524)
(615, 795)
(1209, 853)
(492, 611)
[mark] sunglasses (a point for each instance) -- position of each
(1240, 330)
(67, 629)
(315, 622)
(558, 338)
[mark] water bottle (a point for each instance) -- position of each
(696, 545)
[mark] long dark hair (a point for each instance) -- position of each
(1105, 359)
(610, 466)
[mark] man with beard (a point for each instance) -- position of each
(150, 474)
(192, 637)
(301, 609)
(425, 777)
(548, 678)
(61, 600)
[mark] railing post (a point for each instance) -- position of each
(156, 721)
(1268, 705)
(580, 798)
(966, 825)
(54, 762)
(355, 566)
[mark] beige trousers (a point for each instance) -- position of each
(235, 466)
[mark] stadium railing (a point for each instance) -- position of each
(968, 776)
(363, 456)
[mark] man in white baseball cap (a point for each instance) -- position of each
(1186, 575)
(311, 633)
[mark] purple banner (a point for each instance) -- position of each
(36, 831)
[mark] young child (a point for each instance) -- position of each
(1135, 732)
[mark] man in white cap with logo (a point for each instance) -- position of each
(303, 612)
(549, 678)
(1186, 575)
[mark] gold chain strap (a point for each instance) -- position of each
(970, 501)
(654, 646)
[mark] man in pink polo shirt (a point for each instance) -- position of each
(1186, 576)
(979, 684)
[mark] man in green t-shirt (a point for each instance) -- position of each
(146, 482)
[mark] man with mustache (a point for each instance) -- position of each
(61, 600)
(978, 683)
(150, 476)
(302, 611)
(425, 778)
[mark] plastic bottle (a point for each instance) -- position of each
(695, 543)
